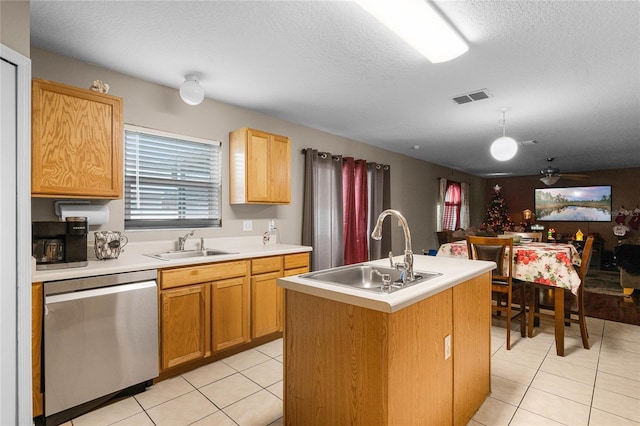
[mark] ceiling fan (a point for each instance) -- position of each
(551, 175)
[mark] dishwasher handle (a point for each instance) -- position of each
(96, 292)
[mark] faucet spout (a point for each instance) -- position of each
(407, 266)
(182, 240)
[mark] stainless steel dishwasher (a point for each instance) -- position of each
(100, 339)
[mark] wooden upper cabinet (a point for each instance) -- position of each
(76, 142)
(259, 167)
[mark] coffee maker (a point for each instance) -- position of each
(57, 245)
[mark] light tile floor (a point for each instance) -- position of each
(530, 385)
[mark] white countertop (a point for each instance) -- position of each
(454, 271)
(133, 257)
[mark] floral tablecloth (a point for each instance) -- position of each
(543, 263)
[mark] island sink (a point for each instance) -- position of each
(368, 277)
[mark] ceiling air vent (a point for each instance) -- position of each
(477, 95)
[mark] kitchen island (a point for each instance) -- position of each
(419, 355)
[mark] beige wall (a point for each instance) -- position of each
(14, 25)
(414, 183)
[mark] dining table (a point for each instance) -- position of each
(550, 264)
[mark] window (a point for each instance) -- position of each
(171, 181)
(452, 204)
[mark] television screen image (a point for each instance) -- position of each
(575, 204)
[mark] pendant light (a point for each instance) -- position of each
(504, 148)
(190, 91)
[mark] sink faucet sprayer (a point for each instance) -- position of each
(182, 240)
(407, 266)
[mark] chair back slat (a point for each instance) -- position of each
(535, 236)
(586, 258)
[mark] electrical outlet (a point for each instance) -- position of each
(272, 225)
(247, 225)
(447, 346)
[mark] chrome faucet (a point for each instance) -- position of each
(182, 240)
(407, 266)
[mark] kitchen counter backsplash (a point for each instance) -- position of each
(133, 256)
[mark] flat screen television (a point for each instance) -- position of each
(573, 204)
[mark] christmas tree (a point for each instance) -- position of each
(497, 218)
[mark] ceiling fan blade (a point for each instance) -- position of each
(572, 176)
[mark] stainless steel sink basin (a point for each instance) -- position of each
(367, 277)
(186, 254)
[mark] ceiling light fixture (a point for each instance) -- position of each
(190, 91)
(504, 148)
(421, 26)
(549, 180)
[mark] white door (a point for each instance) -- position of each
(15, 239)
(8, 282)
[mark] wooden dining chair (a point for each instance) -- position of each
(443, 237)
(502, 283)
(562, 314)
(534, 236)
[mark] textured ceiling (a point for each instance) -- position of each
(569, 70)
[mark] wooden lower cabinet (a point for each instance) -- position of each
(230, 313)
(184, 324)
(267, 299)
(36, 348)
(265, 309)
(204, 309)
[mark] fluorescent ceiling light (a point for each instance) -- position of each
(417, 23)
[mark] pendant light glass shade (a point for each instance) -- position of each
(191, 92)
(504, 148)
(549, 180)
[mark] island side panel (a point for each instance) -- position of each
(471, 346)
(350, 365)
(420, 378)
(335, 369)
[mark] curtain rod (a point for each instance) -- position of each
(324, 155)
(459, 181)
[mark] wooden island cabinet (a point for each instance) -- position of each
(426, 363)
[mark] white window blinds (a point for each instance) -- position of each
(171, 181)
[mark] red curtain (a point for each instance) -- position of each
(452, 204)
(354, 195)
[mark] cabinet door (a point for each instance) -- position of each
(264, 304)
(183, 324)
(230, 313)
(36, 347)
(280, 156)
(258, 165)
(76, 142)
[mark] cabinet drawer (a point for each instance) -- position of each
(298, 260)
(296, 271)
(266, 264)
(202, 273)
